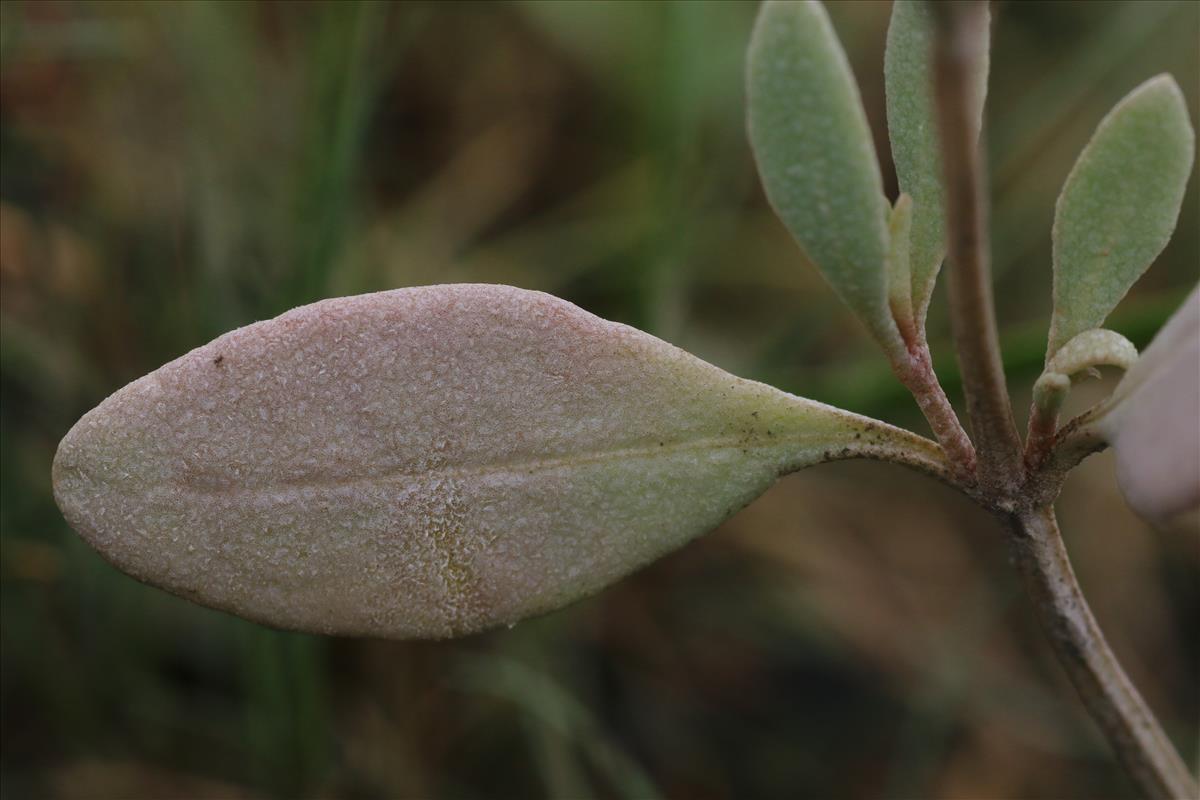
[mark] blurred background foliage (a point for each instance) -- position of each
(173, 170)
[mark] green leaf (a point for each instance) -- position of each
(428, 462)
(912, 126)
(1119, 205)
(1082, 355)
(899, 276)
(816, 158)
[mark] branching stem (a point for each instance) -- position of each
(1022, 493)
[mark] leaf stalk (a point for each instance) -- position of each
(914, 368)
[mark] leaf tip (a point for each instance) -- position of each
(1164, 90)
(1162, 82)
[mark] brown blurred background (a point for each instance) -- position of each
(170, 171)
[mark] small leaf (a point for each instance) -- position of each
(1094, 348)
(429, 462)
(1154, 424)
(899, 275)
(1082, 355)
(1119, 205)
(912, 126)
(814, 151)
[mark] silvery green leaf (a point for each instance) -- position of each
(912, 126)
(1119, 205)
(428, 462)
(814, 152)
(1154, 421)
(1082, 355)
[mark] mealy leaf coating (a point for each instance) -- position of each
(814, 152)
(1119, 206)
(428, 462)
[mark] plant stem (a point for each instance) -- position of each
(1069, 445)
(1003, 485)
(1039, 439)
(968, 279)
(1140, 743)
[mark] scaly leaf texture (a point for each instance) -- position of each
(814, 152)
(912, 127)
(1119, 206)
(432, 461)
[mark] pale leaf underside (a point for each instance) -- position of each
(433, 461)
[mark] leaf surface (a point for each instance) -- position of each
(912, 127)
(814, 152)
(1119, 206)
(428, 462)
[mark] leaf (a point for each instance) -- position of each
(1154, 423)
(1094, 348)
(899, 278)
(816, 158)
(912, 127)
(1082, 355)
(1119, 205)
(428, 462)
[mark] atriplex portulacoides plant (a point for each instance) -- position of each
(434, 461)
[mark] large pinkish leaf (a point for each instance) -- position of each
(428, 462)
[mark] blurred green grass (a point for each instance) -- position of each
(170, 171)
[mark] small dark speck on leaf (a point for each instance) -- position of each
(217, 361)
